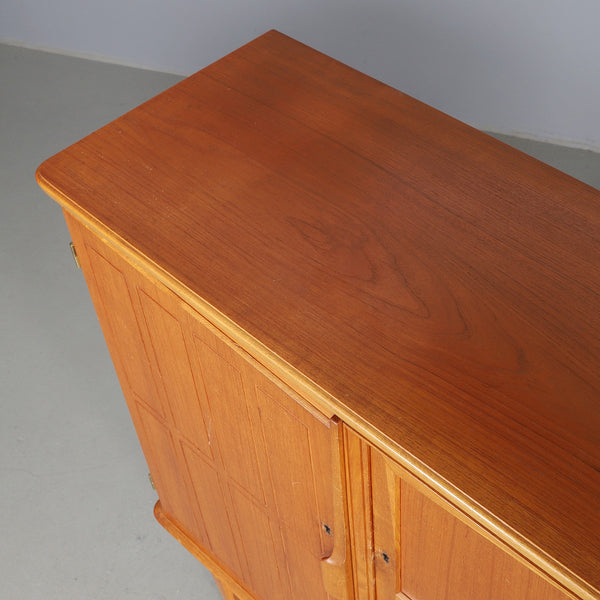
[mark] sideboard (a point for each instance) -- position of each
(359, 340)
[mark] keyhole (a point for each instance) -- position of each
(327, 529)
(385, 557)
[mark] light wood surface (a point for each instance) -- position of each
(425, 551)
(240, 466)
(432, 287)
(443, 559)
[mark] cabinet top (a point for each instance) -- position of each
(441, 286)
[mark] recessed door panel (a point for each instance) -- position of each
(116, 311)
(168, 472)
(173, 363)
(211, 507)
(230, 421)
(295, 470)
(424, 551)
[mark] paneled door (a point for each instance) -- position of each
(425, 550)
(243, 467)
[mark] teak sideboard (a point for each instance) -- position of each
(359, 340)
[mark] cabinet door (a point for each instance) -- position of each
(423, 551)
(244, 468)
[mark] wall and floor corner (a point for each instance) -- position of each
(76, 508)
(521, 67)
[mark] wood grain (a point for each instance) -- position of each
(427, 550)
(358, 469)
(443, 559)
(241, 467)
(441, 287)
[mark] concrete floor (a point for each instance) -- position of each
(75, 503)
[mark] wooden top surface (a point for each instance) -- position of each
(442, 286)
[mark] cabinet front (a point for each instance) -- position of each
(424, 551)
(242, 466)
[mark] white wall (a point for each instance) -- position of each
(526, 67)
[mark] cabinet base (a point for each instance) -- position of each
(229, 587)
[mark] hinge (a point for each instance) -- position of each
(151, 481)
(74, 253)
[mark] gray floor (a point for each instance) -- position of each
(75, 504)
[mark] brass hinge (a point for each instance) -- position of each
(151, 481)
(74, 253)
